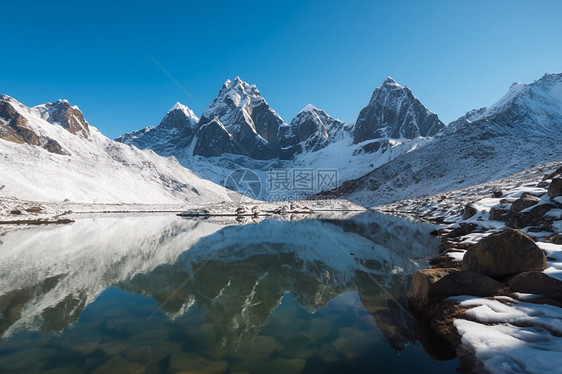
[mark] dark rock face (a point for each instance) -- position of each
(525, 201)
(71, 118)
(395, 112)
(246, 117)
(13, 127)
(555, 188)
(214, 140)
(504, 253)
(177, 120)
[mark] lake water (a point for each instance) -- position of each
(163, 294)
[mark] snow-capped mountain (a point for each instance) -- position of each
(240, 130)
(174, 133)
(239, 121)
(52, 154)
(394, 112)
(521, 130)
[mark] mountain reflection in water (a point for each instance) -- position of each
(161, 294)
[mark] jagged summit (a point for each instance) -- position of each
(249, 120)
(394, 112)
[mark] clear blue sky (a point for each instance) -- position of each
(460, 54)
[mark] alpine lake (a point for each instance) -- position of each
(157, 293)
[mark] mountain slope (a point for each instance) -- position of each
(51, 153)
(521, 130)
(395, 112)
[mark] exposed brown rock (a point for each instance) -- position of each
(525, 201)
(537, 282)
(68, 117)
(432, 285)
(422, 282)
(504, 253)
(15, 130)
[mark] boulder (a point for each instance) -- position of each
(462, 230)
(432, 285)
(534, 217)
(419, 294)
(504, 253)
(468, 211)
(498, 212)
(525, 201)
(555, 188)
(537, 282)
(497, 193)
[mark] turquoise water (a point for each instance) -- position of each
(159, 294)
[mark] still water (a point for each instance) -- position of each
(163, 294)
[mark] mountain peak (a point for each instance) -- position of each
(308, 108)
(246, 116)
(390, 82)
(185, 110)
(68, 116)
(395, 112)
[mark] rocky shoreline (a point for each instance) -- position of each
(506, 249)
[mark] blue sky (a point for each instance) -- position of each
(454, 55)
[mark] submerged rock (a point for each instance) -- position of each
(504, 253)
